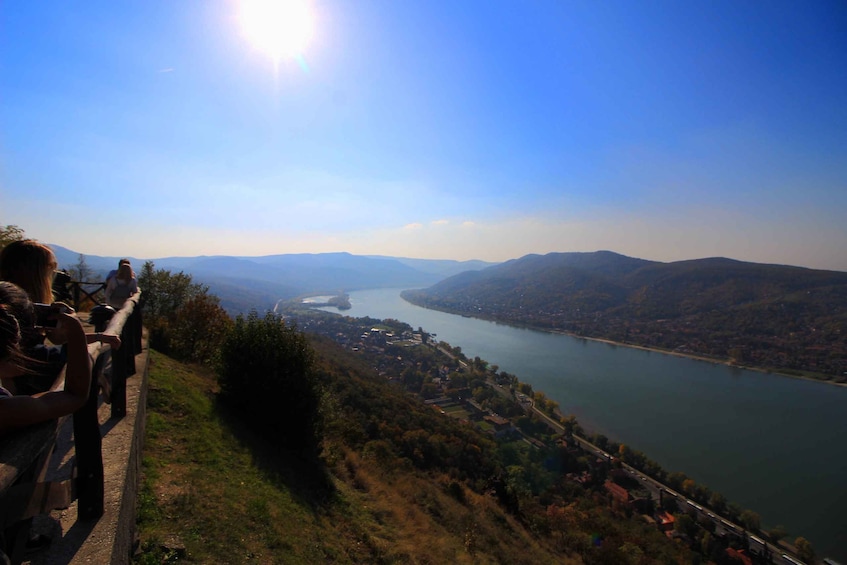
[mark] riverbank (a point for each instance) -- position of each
(705, 358)
(686, 355)
(743, 433)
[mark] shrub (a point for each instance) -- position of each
(183, 318)
(200, 327)
(265, 374)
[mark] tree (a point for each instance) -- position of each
(669, 503)
(706, 542)
(717, 502)
(804, 550)
(182, 317)
(676, 479)
(777, 533)
(199, 328)
(733, 510)
(517, 487)
(685, 524)
(564, 520)
(429, 390)
(80, 272)
(164, 292)
(266, 374)
(10, 233)
(751, 520)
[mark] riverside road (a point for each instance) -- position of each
(657, 489)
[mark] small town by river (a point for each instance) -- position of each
(770, 443)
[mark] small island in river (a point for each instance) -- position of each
(340, 301)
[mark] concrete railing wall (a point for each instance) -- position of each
(86, 465)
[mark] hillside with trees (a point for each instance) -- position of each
(395, 481)
(776, 317)
(315, 437)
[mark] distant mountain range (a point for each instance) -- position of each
(775, 316)
(243, 283)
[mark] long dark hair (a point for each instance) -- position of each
(17, 325)
(10, 338)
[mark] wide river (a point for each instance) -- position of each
(773, 444)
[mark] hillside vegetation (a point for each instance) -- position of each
(779, 317)
(317, 446)
(396, 482)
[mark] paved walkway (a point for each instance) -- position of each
(110, 539)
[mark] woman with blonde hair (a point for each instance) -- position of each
(30, 265)
(121, 286)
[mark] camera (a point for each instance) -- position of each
(47, 315)
(61, 283)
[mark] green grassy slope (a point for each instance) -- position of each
(397, 482)
(228, 496)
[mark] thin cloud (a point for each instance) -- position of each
(440, 222)
(166, 70)
(468, 224)
(413, 226)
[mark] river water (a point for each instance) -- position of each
(773, 444)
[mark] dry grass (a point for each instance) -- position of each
(228, 497)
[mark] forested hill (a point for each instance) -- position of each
(771, 316)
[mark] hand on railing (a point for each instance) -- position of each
(112, 341)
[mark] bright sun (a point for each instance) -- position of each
(279, 28)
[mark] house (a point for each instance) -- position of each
(617, 491)
(739, 555)
(666, 522)
(501, 425)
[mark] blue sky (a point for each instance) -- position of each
(455, 130)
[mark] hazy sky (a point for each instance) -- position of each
(434, 129)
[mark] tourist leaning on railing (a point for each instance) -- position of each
(31, 265)
(20, 411)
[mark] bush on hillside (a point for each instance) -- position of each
(199, 328)
(265, 374)
(183, 318)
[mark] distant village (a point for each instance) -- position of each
(593, 468)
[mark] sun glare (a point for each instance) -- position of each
(278, 28)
